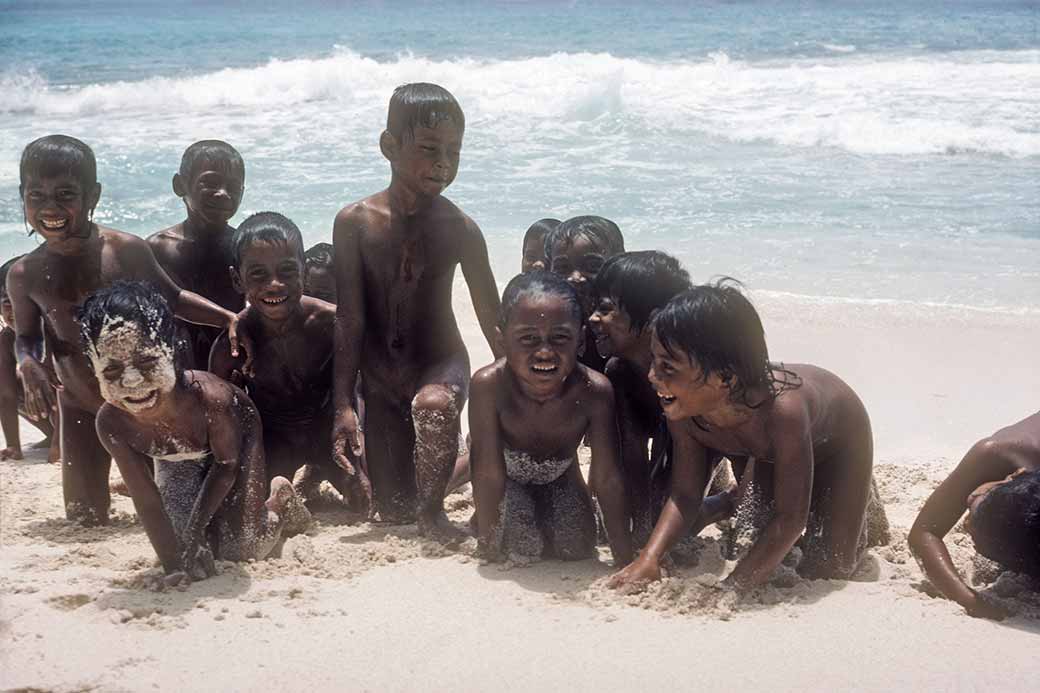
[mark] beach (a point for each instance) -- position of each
(359, 606)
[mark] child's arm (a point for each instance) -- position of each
(136, 470)
(792, 493)
(348, 333)
(38, 383)
(605, 476)
(481, 282)
(940, 513)
(222, 364)
(689, 479)
(9, 398)
(487, 464)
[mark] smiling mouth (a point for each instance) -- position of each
(544, 369)
(142, 400)
(666, 399)
(274, 301)
(54, 224)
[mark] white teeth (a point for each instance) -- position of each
(53, 223)
(275, 301)
(544, 369)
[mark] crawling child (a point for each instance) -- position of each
(807, 431)
(291, 378)
(998, 485)
(208, 498)
(529, 411)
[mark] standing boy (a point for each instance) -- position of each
(395, 257)
(196, 253)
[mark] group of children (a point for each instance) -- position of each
(228, 372)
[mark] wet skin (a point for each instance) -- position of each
(291, 383)
(11, 392)
(815, 440)
(990, 462)
(396, 254)
(47, 286)
(197, 252)
(229, 519)
(579, 263)
(539, 400)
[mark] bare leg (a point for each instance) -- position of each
(435, 413)
(521, 536)
(84, 471)
(566, 516)
(389, 446)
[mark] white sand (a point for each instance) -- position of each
(367, 607)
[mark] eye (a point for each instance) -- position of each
(34, 195)
(112, 372)
(147, 363)
(528, 339)
(560, 339)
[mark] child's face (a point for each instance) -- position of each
(429, 158)
(134, 371)
(270, 275)
(579, 263)
(59, 208)
(682, 389)
(534, 253)
(6, 309)
(320, 282)
(613, 328)
(541, 342)
(214, 192)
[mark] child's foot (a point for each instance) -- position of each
(11, 453)
(288, 506)
(436, 526)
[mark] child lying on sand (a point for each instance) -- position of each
(529, 412)
(201, 433)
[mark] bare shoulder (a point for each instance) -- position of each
(122, 242)
(114, 427)
(25, 269)
(597, 386)
(361, 216)
(164, 243)
(487, 379)
(319, 315)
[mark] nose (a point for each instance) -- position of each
(652, 375)
(132, 377)
(594, 318)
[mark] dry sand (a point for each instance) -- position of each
(359, 606)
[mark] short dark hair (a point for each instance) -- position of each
(538, 282)
(209, 150)
(57, 155)
(716, 325)
(266, 227)
(4, 269)
(599, 230)
(641, 282)
(542, 227)
(421, 104)
(128, 301)
(1005, 525)
(319, 255)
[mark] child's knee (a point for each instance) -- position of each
(435, 403)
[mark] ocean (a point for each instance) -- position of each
(883, 152)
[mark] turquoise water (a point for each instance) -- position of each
(847, 151)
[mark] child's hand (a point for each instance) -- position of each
(197, 561)
(11, 453)
(346, 438)
(241, 343)
(636, 576)
(40, 390)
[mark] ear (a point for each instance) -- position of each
(180, 187)
(236, 280)
(93, 196)
(500, 341)
(389, 146)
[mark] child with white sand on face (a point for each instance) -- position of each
(208, 498)
(528, 414)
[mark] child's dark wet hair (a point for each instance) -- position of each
(541, 228)
(266, 227)
(319, 255)
(421, 104)
(641, 282)
(4, 269)
(57, 155)
(210, 151)
(716, 326)
(538, 283)
(128, 301)
(1005, 525)
(603, 232)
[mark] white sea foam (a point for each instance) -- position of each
(982, 101)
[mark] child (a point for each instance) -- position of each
(576, 250)
(530, 410)
(534, 244)
(291, 382)
(628, 291)
(998, 483)
(806, 429)
(12, 396)
(395, 255)
(319, 277)
(196, 253)
(201, 434)
(59, 191)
